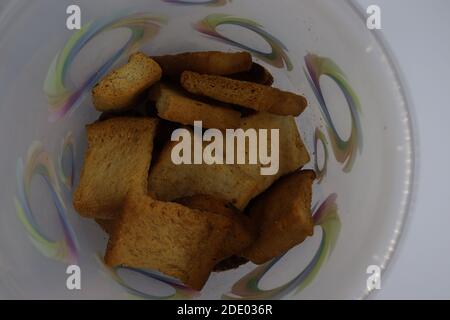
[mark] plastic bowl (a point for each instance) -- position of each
(357, 127)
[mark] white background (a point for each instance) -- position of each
(418, 32)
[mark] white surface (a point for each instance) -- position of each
(417, 32)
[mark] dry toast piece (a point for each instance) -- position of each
(210, 62)
(257, 74)
(117, 160)
(123, 87)
(236, 183)
(177, 241)
(292, 152)
(245, 94)
(242, 233)
(283, 217)
(176, 106)
(170, 182)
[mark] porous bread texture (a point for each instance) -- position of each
(177, 241)
(210, 62)
(122, 88)
(117, 160)
(234, 183)
(283, 217)
(174, 105)
(245, 94)
(241, 234)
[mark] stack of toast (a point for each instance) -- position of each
(188, 220)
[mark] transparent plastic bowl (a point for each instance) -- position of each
(358, 129)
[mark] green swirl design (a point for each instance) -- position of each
(320, 173)
(278, 56)
(326, 216)
(345, 151)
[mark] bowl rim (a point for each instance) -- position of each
(412, 159)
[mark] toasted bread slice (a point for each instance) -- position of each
(237, 183)
(177, 241)
(245, 94)
(117, 160)
(292, 151)
(176, 106)
(170, 182)
(283, 217)
(123, 87)
(257, 74)
(241, 234)
(209, 62)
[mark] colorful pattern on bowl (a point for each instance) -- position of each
(320, 173)
(278, 57)
(39, 163)
(345, 151)
(61, 98)
(66, 164)
(181, 292)
(327, 218)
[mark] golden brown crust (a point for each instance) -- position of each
(174, 105)
(246, 94)
(242, 233)
(180, 242)
(292, 152)
(122, 88)
(236, 184)
(117, 160)
(283, 217)
(170, 182)
(210, 62)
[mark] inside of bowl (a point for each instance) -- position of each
(356, 128)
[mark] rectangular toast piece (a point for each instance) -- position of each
(283, 217)
(117, 159)
(257, 74)
(236, 183)
(292, 152)
(242, 233)
(177, 241)
(174, 105)
(122, 88)
(210, 62)
(245, 94)
(169, 181)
